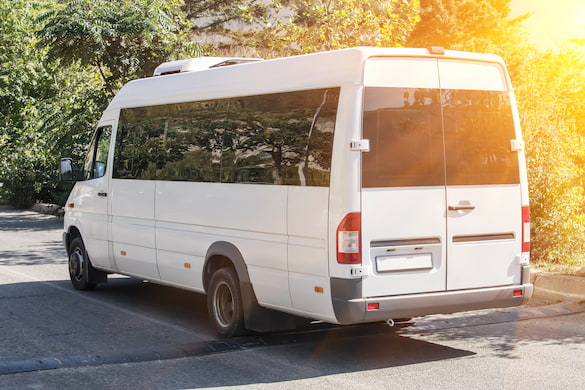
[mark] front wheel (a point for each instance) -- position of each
(79, 266)
(224, 303)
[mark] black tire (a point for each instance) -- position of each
(79, 266)
(224, 303)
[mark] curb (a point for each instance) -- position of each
(558, 288)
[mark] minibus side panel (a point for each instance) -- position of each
(307, 249)
(251, 217)
(345, 188)
(133, 227)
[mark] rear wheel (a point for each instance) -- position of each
(224, 303)
(79, 266)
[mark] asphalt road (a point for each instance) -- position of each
(135, 335)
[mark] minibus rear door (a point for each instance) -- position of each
(484, 211)
(403, 182)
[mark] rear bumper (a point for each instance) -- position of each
(351, 310)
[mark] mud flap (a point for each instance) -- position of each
(260, 319)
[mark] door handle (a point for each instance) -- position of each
(102, 194)
(457, 208)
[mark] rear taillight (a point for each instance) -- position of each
(348, 239)
(525, 229)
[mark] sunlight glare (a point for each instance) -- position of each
(552, 23)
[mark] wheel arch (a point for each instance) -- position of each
(224, 254)
(257, 318)
(72, 233)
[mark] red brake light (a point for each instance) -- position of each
(525, 229)
(349, 239)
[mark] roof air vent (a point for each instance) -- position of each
(199, 63)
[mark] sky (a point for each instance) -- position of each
(553, 22)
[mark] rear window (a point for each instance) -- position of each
(430, 137)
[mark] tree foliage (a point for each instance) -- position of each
(483, 26)
(59, 64)
(215, 15)
(123, 39)
(473, 25)
(552, 108)
(24, 85)
(308, 26)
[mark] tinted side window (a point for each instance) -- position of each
(283, 138)
(191, 141)
(406, 140)
(478, 130)
(96, 159)
(138, 143)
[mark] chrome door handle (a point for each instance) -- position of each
(457, 208)
(103, 194)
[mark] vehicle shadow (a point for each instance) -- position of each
(126, 320)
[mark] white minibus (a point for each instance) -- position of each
(350, 186)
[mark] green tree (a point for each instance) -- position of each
(215, 15)
(122, 39)
(24, 84)
(60, 63)
(483, 26)
(552, 108)
(307, 26)
(473, 25)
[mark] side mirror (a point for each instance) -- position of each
(66, 171)
(100, 169)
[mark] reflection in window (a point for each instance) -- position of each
(404, 129)
(416, 135)
(138, 145)
(96, 159)
(274, 139)
(478, 130)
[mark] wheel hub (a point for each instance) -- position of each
(224, 305)
(76, 264)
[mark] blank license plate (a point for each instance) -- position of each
(404, 263)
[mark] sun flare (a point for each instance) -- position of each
(581, 17)
(552, 23)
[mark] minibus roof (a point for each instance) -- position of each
(310, 71)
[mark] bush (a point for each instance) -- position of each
(552, 107)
